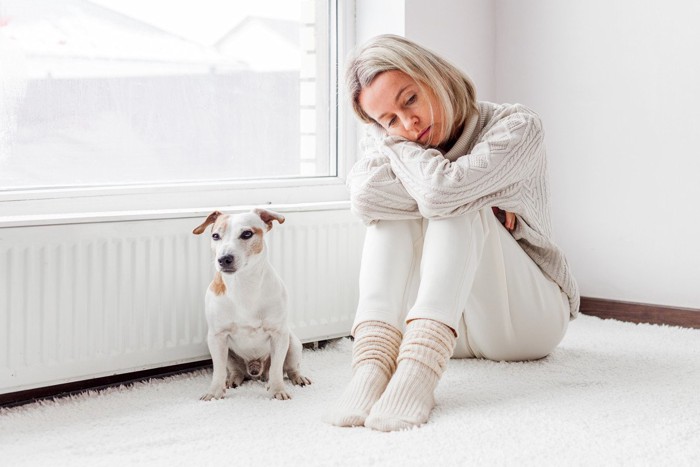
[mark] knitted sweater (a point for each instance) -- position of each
(499, 160)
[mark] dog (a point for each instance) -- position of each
(246, 308)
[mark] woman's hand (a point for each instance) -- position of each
(510, 220)
(507, 218)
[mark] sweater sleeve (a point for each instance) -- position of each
(375, 191)
(505, 155)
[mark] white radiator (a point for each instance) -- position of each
(90, 299)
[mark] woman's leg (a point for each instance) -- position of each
(389, 271)
(514, 312)
(452, 252)
(477, 281)
(388, 279)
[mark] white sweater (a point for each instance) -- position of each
(499, 160)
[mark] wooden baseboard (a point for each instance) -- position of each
(61, 390)
(95, 384)
(640, 312)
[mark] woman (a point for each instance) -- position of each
(440, 275)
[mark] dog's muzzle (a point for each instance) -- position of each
(226, 263)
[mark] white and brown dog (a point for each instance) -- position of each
(246, 308)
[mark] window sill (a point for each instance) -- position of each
(41, 207)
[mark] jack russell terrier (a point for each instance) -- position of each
(246, 308)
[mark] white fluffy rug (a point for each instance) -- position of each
(612, 394)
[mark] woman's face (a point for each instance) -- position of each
(403, 108)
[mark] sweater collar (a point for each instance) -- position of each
(466, 140)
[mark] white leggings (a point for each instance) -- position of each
(469, 273)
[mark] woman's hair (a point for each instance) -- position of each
(388, 52)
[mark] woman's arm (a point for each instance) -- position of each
(375, 192)
(507, 154)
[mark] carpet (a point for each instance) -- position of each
(612, 393)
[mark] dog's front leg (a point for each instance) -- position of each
(218, 348)
(280, 344)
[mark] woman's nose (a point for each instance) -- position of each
(409, 122)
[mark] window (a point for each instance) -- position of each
(120, 93)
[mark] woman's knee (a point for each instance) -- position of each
(393, 230)
(462, 225)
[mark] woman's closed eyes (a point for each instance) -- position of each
(411, 100)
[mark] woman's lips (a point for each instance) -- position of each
(424, 133)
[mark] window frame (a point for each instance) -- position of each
(32, 206)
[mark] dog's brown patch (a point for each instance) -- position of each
(217, 285)
(221, 225)
(211, 218)
(256, 242)
(268, 216)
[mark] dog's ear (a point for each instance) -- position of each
(211, 218)
(268, 216)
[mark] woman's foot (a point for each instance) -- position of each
(409, 397)
(366, 386)
(374, 361)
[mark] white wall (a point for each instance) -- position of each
(462, 31)
(616, 86)
(384, 17)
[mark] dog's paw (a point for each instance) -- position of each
(281, 396)
(299, 380)
(212, 395)
(278, 393)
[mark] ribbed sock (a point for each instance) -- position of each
(373, 361)
(409, 398)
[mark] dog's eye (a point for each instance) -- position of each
(246, 234)
(216, 236)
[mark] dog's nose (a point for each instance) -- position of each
(226, 261)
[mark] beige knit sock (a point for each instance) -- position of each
(409, 397)
(373, 361)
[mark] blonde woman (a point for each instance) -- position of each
(441, 276)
